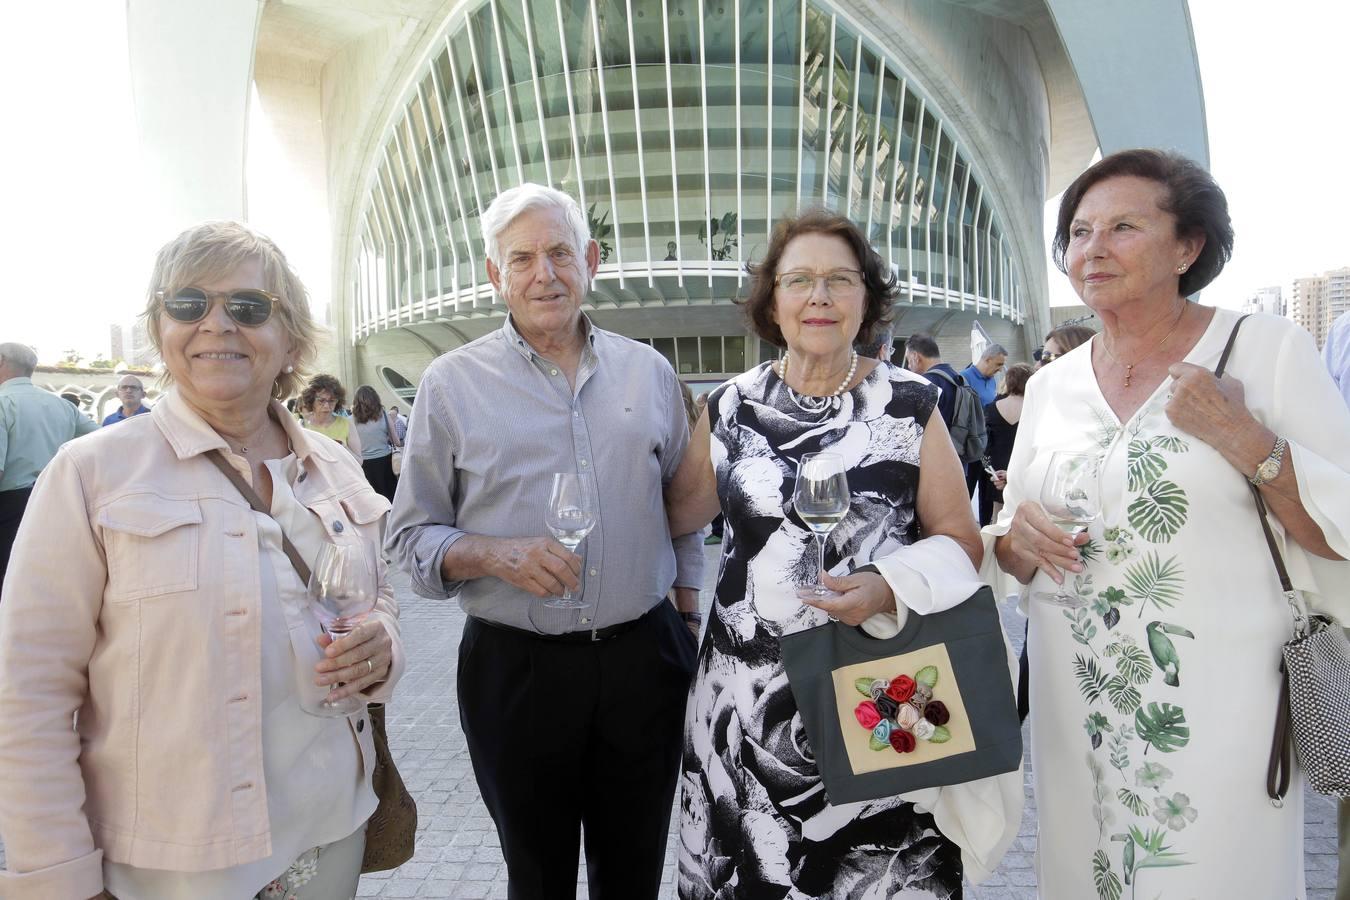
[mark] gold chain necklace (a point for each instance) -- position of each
(1129, 367)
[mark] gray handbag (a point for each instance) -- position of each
(1314, 704)
(932, 706)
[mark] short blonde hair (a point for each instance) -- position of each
(214, 249)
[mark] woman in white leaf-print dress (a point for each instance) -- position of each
(1153, 702)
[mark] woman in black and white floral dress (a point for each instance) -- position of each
(754, 820)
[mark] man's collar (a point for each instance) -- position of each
(523, 347)
(15, 382)
(189, 435)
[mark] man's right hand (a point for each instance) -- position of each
(539, 565)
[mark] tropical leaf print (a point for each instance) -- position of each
(1083, 629)
(1163, 726)
(1094, 725)
(1108, 883)
(1159, 511)
(1120, 749)
(1091, 679)
(1133, 664)
(1133, 802)
(1123, 695)
(1143, 464)
(1153, 581)
(1171, 444)
(1106, 428)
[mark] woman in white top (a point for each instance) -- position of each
(149, 602)
(1154, 686)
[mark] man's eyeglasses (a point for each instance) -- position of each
(134, 388)
(248, 307)
(839, 283)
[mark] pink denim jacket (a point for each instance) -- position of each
(132, 600)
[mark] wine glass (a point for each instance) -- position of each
(1071, 497)
(342, 593)
(570, 517)
(821, 498)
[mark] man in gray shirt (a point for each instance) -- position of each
(573, 717)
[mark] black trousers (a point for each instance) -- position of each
(380, 473)
(12, 505)
(569, 736)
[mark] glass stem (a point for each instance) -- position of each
(820, 553)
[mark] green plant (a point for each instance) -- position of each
(600, 230)
(723, 246)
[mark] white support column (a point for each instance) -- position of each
(674, 159)
(641, 157)
(192, 125)
(439, 178)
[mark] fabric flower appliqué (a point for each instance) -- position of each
(901, 712)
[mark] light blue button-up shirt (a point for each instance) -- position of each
(493, 421)
(1336, 354)
(33, 423)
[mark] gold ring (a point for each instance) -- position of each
(370, 667)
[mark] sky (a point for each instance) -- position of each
(79, 253)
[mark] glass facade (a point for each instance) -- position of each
(684, 128)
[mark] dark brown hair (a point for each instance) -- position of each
(1015, 379)
(327, 383)
(366, 407)
(1193, 198)
(879, 282)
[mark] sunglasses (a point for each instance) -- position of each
(248, 307)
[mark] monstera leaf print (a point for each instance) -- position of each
(1143, 464)
(1170, 444)
(1108, 883)
(1153, 581)
(1136, 804)
(1159, 512)
(1163, 726)
(1133, 664)
(1123, 695)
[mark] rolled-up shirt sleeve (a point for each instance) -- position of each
(422, 523)
(689, 547)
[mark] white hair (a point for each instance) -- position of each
(992, 351)
(20, 357)
(509, 204)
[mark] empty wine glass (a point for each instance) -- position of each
(821, 498)
(1071, 496)
(570, 517)
(342, 592)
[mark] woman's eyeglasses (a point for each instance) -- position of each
(247, 307)
(839, 283)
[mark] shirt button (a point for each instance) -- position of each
(337, 527)
(360, 725)
(583, 463)
(585, 621)
(593, 573)
(553, 371)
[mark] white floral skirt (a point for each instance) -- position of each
(330, 872)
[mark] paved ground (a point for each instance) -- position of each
(458, 855)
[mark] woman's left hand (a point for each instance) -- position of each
(1212, 409)
(864, 595)
(358, 661)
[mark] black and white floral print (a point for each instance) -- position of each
(754, 820)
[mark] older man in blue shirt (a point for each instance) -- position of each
(573, 716)
(983, 375)
(33, 424)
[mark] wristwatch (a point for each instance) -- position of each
(691, 615)
(1269, 469)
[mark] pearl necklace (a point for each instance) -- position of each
(812, 404)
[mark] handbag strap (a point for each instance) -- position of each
(1278, 770)
(1281, 747)
(217, 458)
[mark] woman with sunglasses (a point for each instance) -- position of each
(320, 402)
(150, 605)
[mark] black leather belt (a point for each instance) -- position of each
(575, 637)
